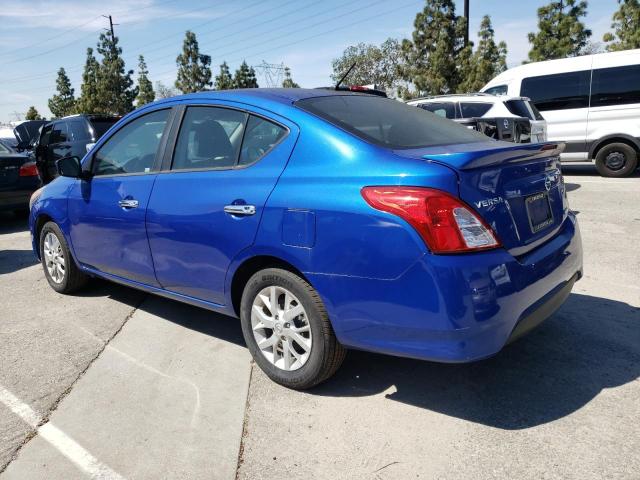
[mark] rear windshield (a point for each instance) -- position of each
(100, 126)
(523, 108)
(388, 123)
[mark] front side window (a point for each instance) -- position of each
(474, 109)
(45, 136)
(133, 148)
(615, 86)
(561, 91)
(261, 136)
(210, 137)
(442, 109)
(388, 123)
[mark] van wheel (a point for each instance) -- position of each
(287, 329)
(60, 269)
(616, 160)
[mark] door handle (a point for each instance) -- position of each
(240, 210)
(128, 203)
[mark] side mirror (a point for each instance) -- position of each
(70, 167)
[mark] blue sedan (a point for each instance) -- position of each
(324, 220)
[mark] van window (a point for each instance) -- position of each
(474, 109)
(615, 86)
(497, 90)
(561, 91)
(442, 109)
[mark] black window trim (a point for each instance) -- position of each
(90, 163)
(172, 143)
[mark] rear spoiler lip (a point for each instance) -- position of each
(497, 156)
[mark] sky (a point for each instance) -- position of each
(37, 37)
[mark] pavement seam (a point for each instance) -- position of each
(245, 422)
(45, 418)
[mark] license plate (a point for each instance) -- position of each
(539, 211)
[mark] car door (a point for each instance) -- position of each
(42, 154)
(206, 207)
(107, 212)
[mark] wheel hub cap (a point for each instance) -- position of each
(54, 257)
(615, 160)
(281, 328)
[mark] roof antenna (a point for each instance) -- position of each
(337, 87)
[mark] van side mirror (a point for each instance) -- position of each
(70, 167)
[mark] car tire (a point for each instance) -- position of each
(616, 160)
(60, 268)
(289, 335)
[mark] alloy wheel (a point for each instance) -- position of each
(54, 257)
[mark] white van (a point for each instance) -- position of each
(592, 103)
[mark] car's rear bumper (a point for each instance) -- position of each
(454, 308)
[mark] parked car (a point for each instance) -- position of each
(502, 117)
(18, 179)
(325, 220)
(67, 137)
(591, 103)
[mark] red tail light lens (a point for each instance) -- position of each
(446, 224)
(29, 169)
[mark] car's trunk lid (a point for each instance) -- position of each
(517, 189)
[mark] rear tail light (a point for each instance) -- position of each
(29, 169)
(446, 224)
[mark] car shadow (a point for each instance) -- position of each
(590, 344)
(572, 186)
(14, 260)
(587, 170)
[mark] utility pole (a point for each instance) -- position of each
(111, 24)
(466, 16)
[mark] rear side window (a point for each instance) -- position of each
(78, 131)
(388, 123)
(474, 109)
(561, 91)
(615, 86)
(261, 136)
(59, 133)
(210, 137)
(100, 126)
(523, 108)
(442, 109)
(497, 90)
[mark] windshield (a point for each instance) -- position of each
(388, 123)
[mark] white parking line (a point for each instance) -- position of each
(58, 439)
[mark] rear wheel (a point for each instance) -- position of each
(616, 160)
(60, 269)
(287, 329)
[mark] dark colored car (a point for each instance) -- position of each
(68, 137)
(27, 132)
(18, 179)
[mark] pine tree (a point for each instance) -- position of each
(224, 80)
(245, 77)
(88, 101)
(63, 103)
(561, 33)
(145, 87)
(194, 72)
(115, 90)
(626, 27)
(487, 61)
(288, 81)
(431, 57)
(32, 114)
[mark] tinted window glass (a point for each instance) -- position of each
(388, 122)
(133, 148)
(4, 150)
(78, 131)
(474, 109)
(59, 133)
(46, 135)
(260, 137)
(615, 86)
(210, 137)
(442, 109)
(497, 90)
(100, 126)
(558, 92)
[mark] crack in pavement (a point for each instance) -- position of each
(45, 418)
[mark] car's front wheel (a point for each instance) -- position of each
(60, 269)
(616, 160)
(287, 329)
